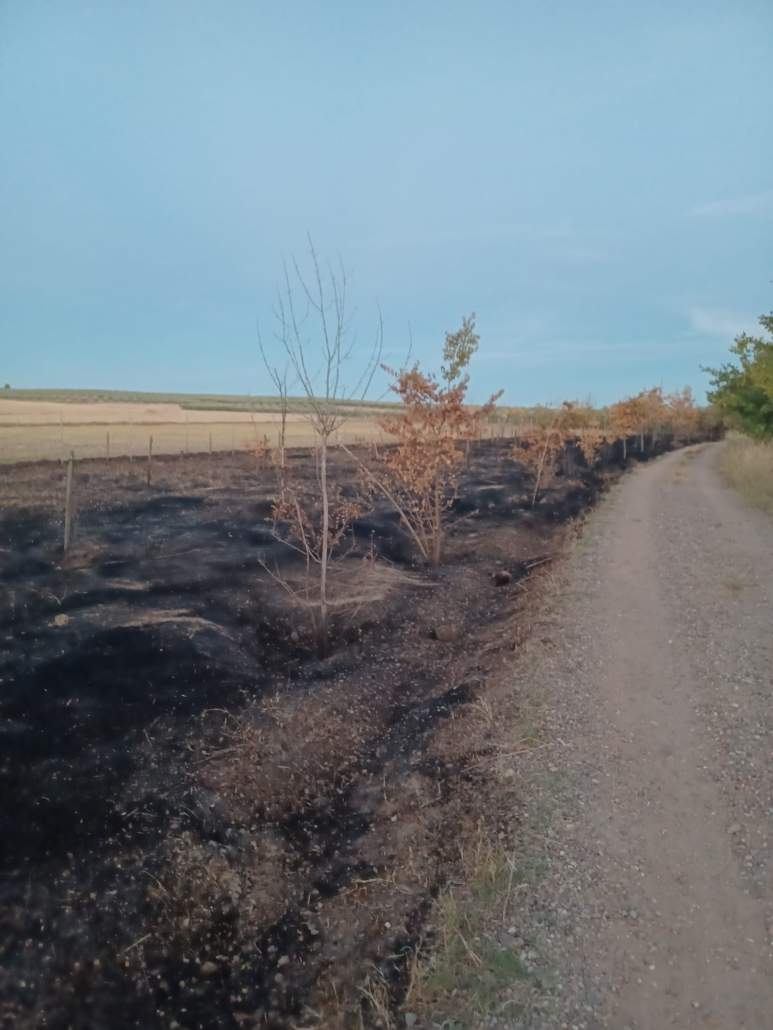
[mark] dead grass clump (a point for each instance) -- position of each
(355, 586)
(286, 750)
(199, 886)
(747, 465)
(375, 993)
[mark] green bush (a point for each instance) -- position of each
(743, 392)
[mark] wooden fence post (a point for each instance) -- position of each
(68, 504)
(150, 458)
(107, 445)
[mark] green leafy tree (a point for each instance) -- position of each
(743, 392)
(459, 349)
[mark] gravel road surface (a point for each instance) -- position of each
(650, 810)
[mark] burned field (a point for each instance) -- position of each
(204, 824)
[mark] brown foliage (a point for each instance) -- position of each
(540, 447)
(626, 416)
(590, 440)
(639, 415)
(419, 475)
(685, 417)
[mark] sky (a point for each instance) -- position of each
(594, 180)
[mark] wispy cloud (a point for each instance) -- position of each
(713, 322)
(748, 204)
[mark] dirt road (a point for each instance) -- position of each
(655, 909)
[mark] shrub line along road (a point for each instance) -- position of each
(658, 886)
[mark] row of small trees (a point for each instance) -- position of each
(645, 418)
(430, 432)
(417, 475)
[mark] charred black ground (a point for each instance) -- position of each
(202, 824)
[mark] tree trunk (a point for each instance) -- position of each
(322, 628)
(437, 537)
(540, 470)
(68, 505)
(282, 432)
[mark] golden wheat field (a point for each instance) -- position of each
(45, 430)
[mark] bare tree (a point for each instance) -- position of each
(279, 377)
(312, 326)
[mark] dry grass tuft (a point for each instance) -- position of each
(280, 749)
(748, 467)
(375, 994)
(198, 885)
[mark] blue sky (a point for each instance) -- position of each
(594, 179)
